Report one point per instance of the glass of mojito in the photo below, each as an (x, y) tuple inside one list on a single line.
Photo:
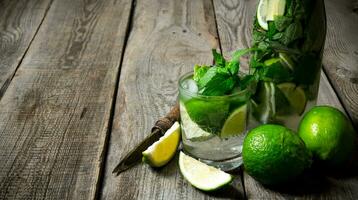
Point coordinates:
[(288, 40), (214, 106)]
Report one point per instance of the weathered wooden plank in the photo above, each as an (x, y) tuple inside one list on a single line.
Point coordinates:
[(341, 53), (167, 39), (19, 21), (234, 19), (54, 115)]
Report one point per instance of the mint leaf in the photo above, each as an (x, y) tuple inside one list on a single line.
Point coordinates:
[(199, 72), (218, 58), (293, 32), (271, 29), (218, 85), (246, 81), (237, 54), (282, 22), (210, 73), (216, 81), (277, 36), (258, 36)]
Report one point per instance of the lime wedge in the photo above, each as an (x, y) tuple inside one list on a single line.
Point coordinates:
[(191, 130), (235, 123), (295, 95), (201, 175), (262, 13), (163, 150)]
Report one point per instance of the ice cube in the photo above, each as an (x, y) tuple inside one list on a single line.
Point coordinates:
[(192, 86)]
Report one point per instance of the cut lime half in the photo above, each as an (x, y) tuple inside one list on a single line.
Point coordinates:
[(201, 175), (162, 151), (235, 124), (295, 95)]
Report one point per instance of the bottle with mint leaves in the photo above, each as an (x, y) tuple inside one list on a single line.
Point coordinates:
[(288, 38)]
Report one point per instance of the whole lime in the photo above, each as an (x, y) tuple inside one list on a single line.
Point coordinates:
[(328, 133), (274, 154)]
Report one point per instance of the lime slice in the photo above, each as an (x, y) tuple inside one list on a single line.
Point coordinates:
[(262, 13), (277, 70), (201, 175), (163, 150), (265, 107), (208, 114), (235, 123), (191, 130), (275, 8), (295, 95), (267, 10), (287, 61)]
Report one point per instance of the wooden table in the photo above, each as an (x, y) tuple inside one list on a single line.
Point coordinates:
[(82, 82)]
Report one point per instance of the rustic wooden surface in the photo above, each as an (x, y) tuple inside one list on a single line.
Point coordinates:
[(82, 82), (54, 116), (19, 24), (341, 53)]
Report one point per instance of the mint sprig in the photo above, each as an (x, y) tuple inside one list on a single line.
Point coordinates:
[(221, 78)]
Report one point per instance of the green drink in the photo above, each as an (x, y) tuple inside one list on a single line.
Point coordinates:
[(288, 38), (213, 127), (214, 107)]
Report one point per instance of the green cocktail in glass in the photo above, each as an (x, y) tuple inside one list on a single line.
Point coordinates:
[(213, 127), (288, 38), (214, 106)]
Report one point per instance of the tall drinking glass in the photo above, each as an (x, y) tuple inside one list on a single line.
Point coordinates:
[(213, 127)]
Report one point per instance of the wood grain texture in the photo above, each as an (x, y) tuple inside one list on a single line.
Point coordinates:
[(234, 20), (54, 115), (341, 53), (167, 39), (19, 21)]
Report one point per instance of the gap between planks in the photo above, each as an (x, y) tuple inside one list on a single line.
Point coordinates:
[(104, 153)]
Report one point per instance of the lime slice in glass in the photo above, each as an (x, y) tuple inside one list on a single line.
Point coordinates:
[(235, 124), (295, 95), (190, 129), (262, 13), (162, 151), (267, 10), (287, 61), (275, 8), (201, 175), (265, 105), (210, 114)]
